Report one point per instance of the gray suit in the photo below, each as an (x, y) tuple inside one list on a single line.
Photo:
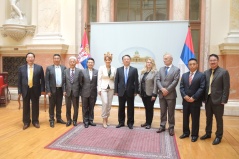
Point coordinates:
[(72, 92), (89, 94), (55, 100), (167, 103), (220, 87)]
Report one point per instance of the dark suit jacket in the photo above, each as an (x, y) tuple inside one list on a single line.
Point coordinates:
[(89, 87), (51, 78), (195, 90), (132, 82), (220, 85), (76, 86), (38, 80), (169, 81)]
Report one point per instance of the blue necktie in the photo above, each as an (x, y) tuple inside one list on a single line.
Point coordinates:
[(125, 75), (166, 70)]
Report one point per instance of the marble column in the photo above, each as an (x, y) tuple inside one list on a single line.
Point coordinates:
[(229, 54), (48, 22), (104, 10), (179, 9)]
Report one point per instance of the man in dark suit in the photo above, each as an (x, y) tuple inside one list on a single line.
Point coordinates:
[(126, 88), (71, 90), (89, 92), (216, 96), (31, 83), (54, 78), (192, 87), (167, 80)]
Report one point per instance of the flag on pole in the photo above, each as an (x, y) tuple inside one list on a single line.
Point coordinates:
[(84, 52), (187, 53)]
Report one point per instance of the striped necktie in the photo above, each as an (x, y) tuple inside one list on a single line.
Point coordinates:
[(72, 76)]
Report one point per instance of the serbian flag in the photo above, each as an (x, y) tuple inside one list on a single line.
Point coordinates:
[(187, 53), (84, 52)]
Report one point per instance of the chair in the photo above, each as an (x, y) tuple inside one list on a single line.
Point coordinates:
[(3, 92)]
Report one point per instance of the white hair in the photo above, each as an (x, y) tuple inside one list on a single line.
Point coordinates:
[(72, 57)]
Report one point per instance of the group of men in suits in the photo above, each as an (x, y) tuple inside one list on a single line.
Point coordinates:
[(212, 86), (72, 83)]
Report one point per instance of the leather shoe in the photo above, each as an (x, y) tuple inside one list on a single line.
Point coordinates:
[(68, 123), (120, 125), (74, 123), (25, 126), (148, 127), (184, 136), (36, 125), (143, 125), (206, 136), (92, 124), (130, 126), (86, 125), (161, 129), (52, 124), (216, 141), (194, 138), (61, 121), (171, 131)]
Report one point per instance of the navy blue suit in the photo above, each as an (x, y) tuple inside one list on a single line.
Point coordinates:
[(126, 93), (196, 91)]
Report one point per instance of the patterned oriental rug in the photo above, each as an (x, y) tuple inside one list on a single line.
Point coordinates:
[(122, 142)]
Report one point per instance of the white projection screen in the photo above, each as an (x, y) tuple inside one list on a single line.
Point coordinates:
[(139, 40)]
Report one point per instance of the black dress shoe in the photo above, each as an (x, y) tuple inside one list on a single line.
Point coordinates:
[(120, 125), (161, 129), (92, 124), (86, 125), (184, 136), (52, 124), (171, 131), (75, 123), (216, 141), (36, 125), (25, 126), (194, 138), (68, 123), (148, 127), (206, 136), (61, 121), (130, 126), (143, 125)]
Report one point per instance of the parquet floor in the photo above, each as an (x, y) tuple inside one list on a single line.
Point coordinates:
[(30, 143)]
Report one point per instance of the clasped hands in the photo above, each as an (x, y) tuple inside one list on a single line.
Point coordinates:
[(189, 99)]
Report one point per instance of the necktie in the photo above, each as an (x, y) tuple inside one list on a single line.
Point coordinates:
[(210, 82), (166, 71), (190, 78), (72, 76), (125, 75), (30, 84)]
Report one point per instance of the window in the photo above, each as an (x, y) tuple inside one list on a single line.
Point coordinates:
[(92, 11), (195, 23), (141, 10)]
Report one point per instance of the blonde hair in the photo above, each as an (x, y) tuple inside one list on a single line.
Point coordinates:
[(154, 69), (108, 55)]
